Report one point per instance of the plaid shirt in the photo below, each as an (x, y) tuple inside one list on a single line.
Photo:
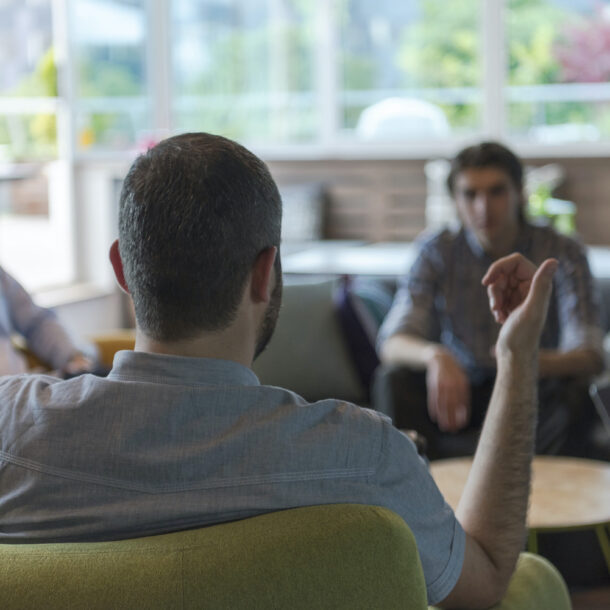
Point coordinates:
[(442, 299)]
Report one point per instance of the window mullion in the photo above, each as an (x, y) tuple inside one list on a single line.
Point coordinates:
[(494, 68), (326, 71), (66, 121), (158, 48), (61, 173)]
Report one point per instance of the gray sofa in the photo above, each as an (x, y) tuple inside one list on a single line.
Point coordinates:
[(308, 353)]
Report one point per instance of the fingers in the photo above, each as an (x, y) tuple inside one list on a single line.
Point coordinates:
[(541, 286), (78, 364), (508, 282), (448, 393), (514, 266), (495, 293), (520, 332), (542, 282), (432, 391), (449, 404)]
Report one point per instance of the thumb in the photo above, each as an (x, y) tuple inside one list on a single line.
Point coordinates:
[(542, 283)]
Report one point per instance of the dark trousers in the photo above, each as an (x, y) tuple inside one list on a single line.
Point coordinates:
[(564, 413)]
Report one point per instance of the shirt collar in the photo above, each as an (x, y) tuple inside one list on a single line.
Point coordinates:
[(163, 368), (473, 243), (522, 243)]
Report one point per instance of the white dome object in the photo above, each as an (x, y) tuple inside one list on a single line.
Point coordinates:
[(398, 118)]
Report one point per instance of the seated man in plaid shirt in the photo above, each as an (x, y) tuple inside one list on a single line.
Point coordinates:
[(437, 342)]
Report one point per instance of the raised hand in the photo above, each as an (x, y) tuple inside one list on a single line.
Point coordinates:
[(519, 295)]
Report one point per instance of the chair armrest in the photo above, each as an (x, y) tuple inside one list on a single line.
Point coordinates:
[(535, 585)]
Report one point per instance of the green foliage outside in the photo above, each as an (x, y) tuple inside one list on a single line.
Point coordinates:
[(101, 75), (442, 50), (244, 74), (32, 136), (246, 69), (29, 137), (533, 30)]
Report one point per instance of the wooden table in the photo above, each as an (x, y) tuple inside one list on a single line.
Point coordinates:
[(567, 494)]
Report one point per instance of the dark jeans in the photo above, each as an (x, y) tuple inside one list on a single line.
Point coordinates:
[(564, 415)]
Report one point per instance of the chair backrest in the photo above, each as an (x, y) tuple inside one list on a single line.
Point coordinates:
[(334, 556), (110, 342)]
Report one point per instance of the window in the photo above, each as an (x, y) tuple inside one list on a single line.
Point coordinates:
[(111, 101), (350, 75), (409, 70), (35, 241), (558, 88), (245, 69), (28, 81), (88, 80)]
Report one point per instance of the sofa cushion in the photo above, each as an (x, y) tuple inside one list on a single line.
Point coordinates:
[(308, 353), (362, 304)]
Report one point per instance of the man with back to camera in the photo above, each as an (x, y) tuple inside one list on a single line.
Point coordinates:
[(437, 342), (181, 434)]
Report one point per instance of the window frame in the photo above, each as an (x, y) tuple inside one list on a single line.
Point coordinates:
[(329, 142)]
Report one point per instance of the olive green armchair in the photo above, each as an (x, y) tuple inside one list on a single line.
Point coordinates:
[(335, 556)]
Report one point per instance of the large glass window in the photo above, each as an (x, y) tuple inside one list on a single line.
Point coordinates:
[(558, 85), (35, 240), (245, 69), (111, 97), (97, 79), (410, 70), (28, 81)]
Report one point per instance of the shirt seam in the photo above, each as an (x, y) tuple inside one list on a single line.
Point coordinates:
[(289, 477)]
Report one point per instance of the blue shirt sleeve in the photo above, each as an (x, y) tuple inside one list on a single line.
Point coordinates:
[(44, 335), (413, 311), (410, 491), (577, 301)]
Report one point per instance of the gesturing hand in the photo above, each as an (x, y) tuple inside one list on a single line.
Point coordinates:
[(519, 297)]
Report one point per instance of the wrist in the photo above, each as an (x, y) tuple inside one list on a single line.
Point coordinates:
[(437, 352), (525, 361)]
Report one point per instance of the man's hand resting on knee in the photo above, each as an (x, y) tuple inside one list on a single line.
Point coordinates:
[(448, 392)]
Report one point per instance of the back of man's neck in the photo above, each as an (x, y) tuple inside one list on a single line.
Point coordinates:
[(218, 345)]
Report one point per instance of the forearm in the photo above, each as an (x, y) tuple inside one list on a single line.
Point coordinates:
[(493, 506), (582, 362), (410, 351), (52, 343)]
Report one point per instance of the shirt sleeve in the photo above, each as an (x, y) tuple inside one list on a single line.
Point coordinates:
[(578, 302), (44, 335), (410, 491), (413, 310)]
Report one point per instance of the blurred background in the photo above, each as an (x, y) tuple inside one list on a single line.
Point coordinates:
[(348, 101)]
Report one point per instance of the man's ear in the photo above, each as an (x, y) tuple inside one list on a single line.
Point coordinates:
[(117, 265), (261, 285)]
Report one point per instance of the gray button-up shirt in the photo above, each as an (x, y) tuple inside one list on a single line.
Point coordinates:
[(168, 443), (442, 299)]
